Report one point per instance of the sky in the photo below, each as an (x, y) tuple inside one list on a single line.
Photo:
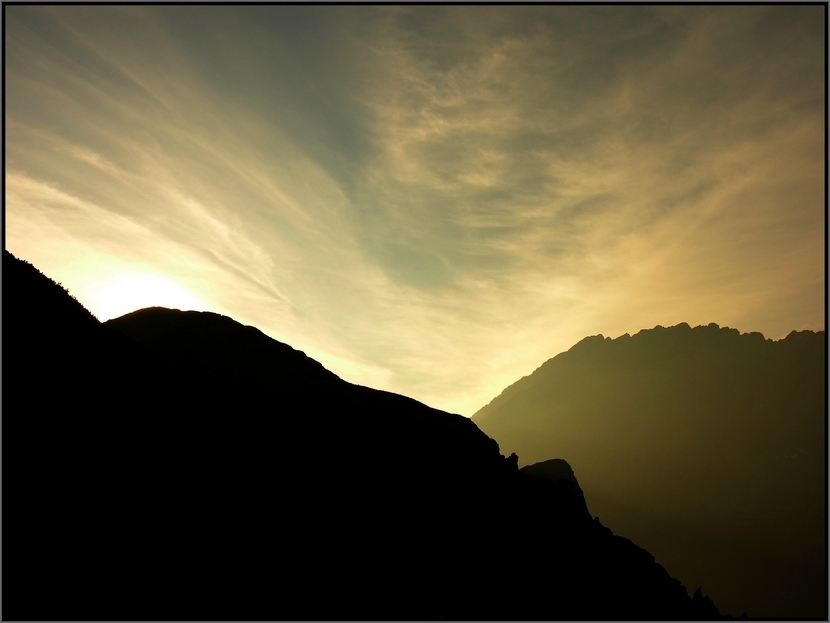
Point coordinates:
[(428, 200)]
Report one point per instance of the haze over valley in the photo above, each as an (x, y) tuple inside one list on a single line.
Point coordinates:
[(704, 445)]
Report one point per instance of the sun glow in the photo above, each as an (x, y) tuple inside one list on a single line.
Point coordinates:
[(126, 292)]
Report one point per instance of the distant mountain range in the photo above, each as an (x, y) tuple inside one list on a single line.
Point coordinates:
[(704, 445), (178, 465)]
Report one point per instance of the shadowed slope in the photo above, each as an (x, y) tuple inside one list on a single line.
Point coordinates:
[(177, 465), (704, 445)]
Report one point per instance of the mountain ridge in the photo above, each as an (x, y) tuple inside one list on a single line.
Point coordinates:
[(520, 384), (155, 468)]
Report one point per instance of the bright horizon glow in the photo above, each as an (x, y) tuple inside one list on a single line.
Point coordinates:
[(123, 293)]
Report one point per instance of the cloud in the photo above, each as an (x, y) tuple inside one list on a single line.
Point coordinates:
[(431, 200)]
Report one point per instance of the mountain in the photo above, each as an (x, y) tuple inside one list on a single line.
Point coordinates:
[(178, 465), (554, 470), (704, 445)]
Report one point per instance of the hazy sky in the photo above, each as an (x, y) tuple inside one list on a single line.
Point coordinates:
[(428, 200)]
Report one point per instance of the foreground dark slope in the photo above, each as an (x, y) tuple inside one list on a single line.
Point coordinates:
[(177, 465), (703, 445)]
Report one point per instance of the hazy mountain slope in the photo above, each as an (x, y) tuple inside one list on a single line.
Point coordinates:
[(177, 465), (703, 445)]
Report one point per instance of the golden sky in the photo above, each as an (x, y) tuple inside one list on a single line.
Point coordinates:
[(427, 200)]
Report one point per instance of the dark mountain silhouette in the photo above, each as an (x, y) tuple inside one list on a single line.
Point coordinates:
[(178, 465), (704, 445)]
